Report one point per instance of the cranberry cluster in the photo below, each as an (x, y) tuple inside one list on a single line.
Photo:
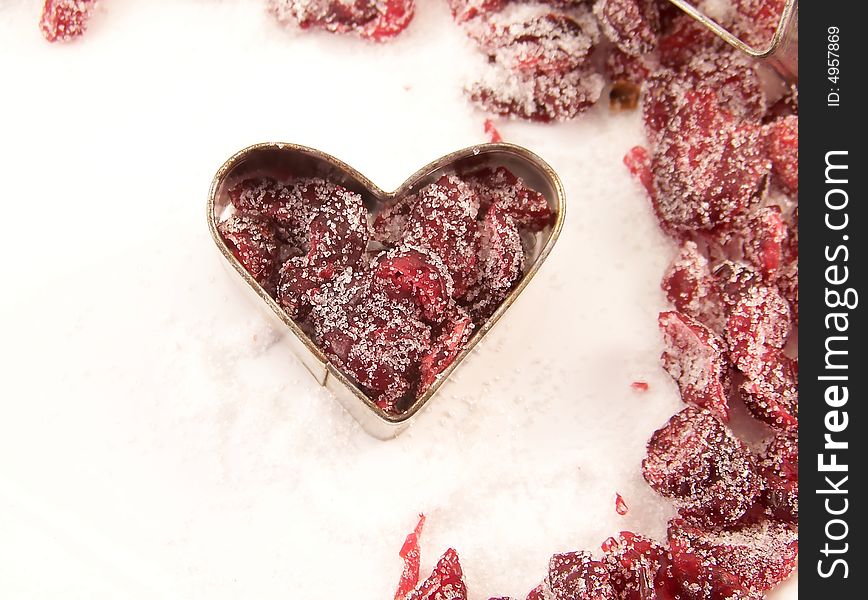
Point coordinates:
[(391, 300), (375, 20)]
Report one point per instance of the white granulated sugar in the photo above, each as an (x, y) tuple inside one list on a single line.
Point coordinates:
[(158, 439)]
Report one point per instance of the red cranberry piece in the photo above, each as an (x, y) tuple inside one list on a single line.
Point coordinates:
[(685, 37), (392, 221), (760, 321), (693, 578), (634, 562), (779, 468), (443, 219), (733, 78), (407, 273), (298, 280), (696, 359), (65, 20), (252, 241), (465, 10), (445, 583), (337, 237), (451, 339), (257, 195), (708, 169), (576, 576), (788, 284), (770, 392), (543, 98), (491, 131), (695, 460), (376, 20), (640, 386), (689, 285), (620, 506), (632, 25), (760, 556), (621, 66), (732, 281), (782, 145), (757, 20), (499, 186), (550, 43), (764, 238), (410, 554), (538, 593), (638, 161)]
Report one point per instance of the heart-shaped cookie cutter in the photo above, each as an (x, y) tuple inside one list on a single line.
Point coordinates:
[(282, 160)]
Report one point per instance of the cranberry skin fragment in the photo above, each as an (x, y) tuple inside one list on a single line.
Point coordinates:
[(410, 554), (446, 582), (695, 460), (491, 131), (759, 556), (779, 468), (692, 578), (782, 146), (406, 273), (65, 20), (696, 359), (252, 241), (575, 576), (638, 161), (765, 237)]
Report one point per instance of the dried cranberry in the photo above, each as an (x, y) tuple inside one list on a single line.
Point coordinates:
[(445, 583), (758, 556), (297, 281), (576, 576), (698, 462), (453, 335), (733, 78), (782, 145), (407, 273), (732, 281), (465, 10), (689, 285), (443, 219), (760, 321), (372, 19), (696, 359), (764, 238), (708, 169), (770, 391), (391, 222), (410, 554), (685, 37), (779, 468), (694, 578), (252, 241), (544, 97), (65, 20), (633, 562), (622, 67), (638, 161), (512, 196), (491, 131), (757, 20), (550, 43), (632, 25)]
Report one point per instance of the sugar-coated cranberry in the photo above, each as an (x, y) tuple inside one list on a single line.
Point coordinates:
[(779, 468), (693, 578), (576, 576), (252, 241), (446, 582), (622, 67), (448, 340), (633, 562), (708, 169), (376, 20), (512, 196), (782, 145), (417, 274), (632, 25), (696, 358), (759, 321), (757, 20), (695, 460), (298, 279), (765, 236), (770, 390), (65, 20), (759, 556), (465, 10), (683, 38), (689, 285)]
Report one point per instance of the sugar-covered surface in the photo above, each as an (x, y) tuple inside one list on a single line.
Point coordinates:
[(158, 440)]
